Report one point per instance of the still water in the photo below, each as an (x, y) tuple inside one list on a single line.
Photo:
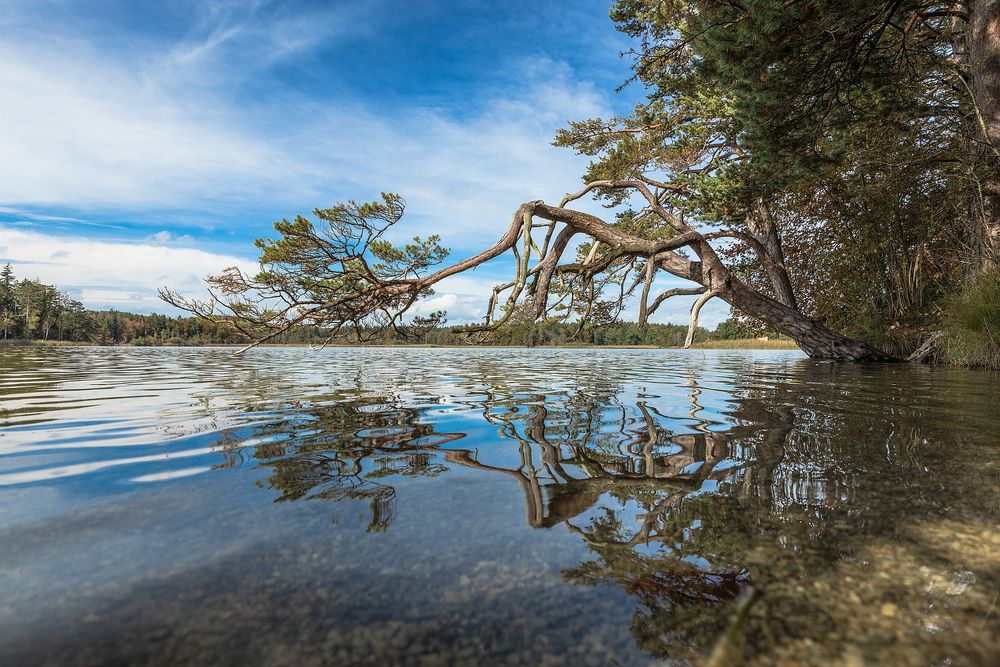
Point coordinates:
[(493, 506)]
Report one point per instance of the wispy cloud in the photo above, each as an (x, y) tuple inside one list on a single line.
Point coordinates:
[(89, 135), (232, 41), (92, 136), (163, 236), (21, 213)]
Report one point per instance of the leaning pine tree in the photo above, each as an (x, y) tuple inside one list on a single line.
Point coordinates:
[(692, 196), (339, 274)]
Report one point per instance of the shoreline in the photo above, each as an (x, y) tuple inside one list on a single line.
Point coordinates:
[(733, 344)]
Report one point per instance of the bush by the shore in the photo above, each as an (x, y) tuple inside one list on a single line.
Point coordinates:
[(972, 334)]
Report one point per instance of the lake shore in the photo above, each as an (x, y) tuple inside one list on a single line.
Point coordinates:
[(733, 344)]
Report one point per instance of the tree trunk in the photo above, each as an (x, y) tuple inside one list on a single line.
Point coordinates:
[(764, 230), (984, 61), (815, 340)]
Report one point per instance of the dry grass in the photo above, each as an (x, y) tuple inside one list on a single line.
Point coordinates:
[(746, 344)]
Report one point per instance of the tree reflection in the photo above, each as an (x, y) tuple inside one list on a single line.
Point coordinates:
[(611, 473), (681, 510), (642, 497), (345, 449)]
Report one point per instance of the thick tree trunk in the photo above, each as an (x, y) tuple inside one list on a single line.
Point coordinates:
[(984, 61), (815, 340)]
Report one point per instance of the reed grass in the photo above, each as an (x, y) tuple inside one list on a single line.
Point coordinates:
[(746, 344)]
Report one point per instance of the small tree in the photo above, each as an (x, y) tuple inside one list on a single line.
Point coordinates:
[(6, 322)]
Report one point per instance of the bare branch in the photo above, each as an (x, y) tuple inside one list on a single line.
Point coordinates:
[(676, 291), (695, 310)]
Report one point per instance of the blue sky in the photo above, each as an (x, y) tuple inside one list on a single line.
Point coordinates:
[(149, 143)]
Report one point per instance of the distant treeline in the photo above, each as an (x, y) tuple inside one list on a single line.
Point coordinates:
[(31, 310)]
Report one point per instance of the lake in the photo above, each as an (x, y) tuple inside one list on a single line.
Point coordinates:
[(493, 506)]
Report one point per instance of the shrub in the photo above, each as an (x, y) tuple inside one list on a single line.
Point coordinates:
[(972, 333)]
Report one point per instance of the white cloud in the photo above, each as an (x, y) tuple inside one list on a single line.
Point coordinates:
[(164, 236), (110, 273), (464, 179), (94, 132), (90, 134), (464, 297)]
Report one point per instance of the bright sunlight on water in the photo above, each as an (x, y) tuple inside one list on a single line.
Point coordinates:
[(493, 506)]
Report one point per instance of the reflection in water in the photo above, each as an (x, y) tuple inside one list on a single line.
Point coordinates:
[(347, 449), (858, 501)]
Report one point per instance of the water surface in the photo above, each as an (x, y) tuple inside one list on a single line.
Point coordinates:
[(493, 506)]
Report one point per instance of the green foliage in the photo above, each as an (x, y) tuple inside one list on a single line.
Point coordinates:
[(733, 328), (972, 337), (335, 273), (30, 309), (848, 120), (804, 78)]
